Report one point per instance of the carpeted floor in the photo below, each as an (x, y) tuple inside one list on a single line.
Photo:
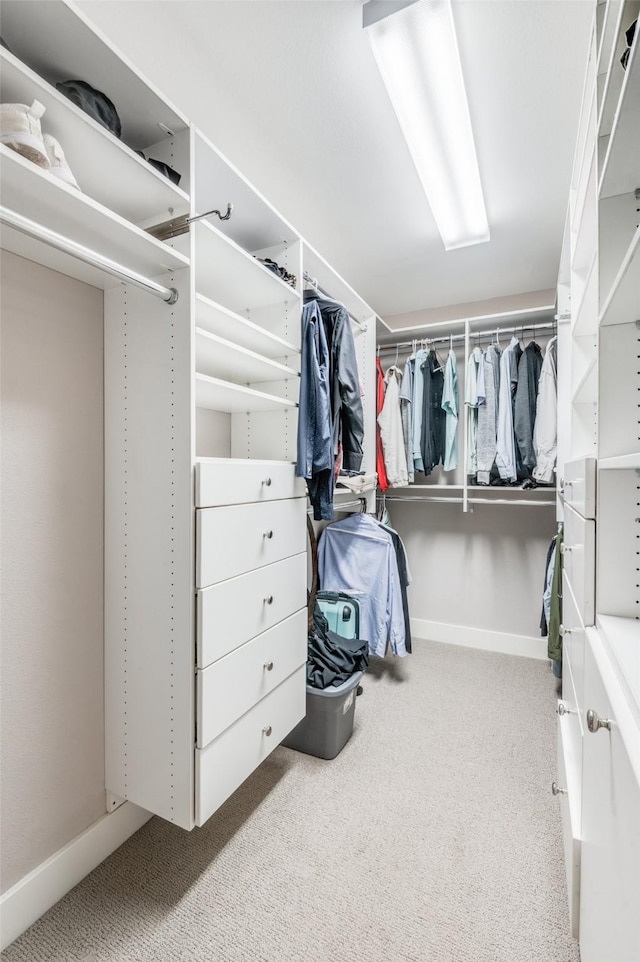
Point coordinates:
[(432, 837)]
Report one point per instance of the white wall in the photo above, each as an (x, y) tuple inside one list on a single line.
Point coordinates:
[(51, 563)]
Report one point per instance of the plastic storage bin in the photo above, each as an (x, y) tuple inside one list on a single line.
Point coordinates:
[(328, 724)]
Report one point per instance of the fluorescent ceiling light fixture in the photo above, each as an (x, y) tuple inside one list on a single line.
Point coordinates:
[(417, 54)]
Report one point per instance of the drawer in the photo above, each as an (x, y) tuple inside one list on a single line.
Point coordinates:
[(233, 611), (222, 481), (579, 562), (568, 782), (224, 764), (235, 683), (573, 639), (578, 486), (230, 541)]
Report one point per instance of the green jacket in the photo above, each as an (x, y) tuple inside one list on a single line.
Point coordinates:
[(554, 641)]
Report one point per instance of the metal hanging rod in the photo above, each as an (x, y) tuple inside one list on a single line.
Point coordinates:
[(306, 276), (458, 500), (50, 237), (473, 335)]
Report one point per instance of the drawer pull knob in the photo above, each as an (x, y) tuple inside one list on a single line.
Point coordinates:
[(267, 730), (565, 548), (268, 665), (556, 790), (267, 482), (268, 534), (595, 723), (565, 631), (268, 600), (563, 710)]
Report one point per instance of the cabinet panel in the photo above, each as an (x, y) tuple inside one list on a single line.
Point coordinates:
[(579, 562), (573, 640), (578, 486), (569, 780), (609, 919), (233, 611), (224, 764), (230, 541), (221, 481), (233, 685)]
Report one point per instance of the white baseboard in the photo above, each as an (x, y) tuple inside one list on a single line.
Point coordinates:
[(33, 895), (499, 641)]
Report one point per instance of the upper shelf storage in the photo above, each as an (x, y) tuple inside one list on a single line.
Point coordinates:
[(105, 167), (48, 201), (621, 168), (243, 332), (229, 275), (622, 303), (328, 279), (54, 39)]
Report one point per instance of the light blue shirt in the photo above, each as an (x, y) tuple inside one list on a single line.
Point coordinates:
[(357, 556), (450, 407)]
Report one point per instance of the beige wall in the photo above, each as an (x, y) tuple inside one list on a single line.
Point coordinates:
[(52, 756)]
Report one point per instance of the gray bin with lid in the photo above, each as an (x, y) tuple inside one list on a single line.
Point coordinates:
[(328, 724)]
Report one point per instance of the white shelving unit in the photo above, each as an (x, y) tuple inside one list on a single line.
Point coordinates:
[(603, 779), (202, 506)]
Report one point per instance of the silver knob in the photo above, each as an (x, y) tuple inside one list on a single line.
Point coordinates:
[(267, 482), (565, 631), (268, 665), (563, 710), (268, 534), (267, 730), (268, 600), (595, 723), (556, 790)]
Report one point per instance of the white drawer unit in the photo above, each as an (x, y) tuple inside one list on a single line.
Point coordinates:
[(567, 788), (578, 486), (573, 639), (232, 540), (224, 764), (234, 611), (579, 562), (609, 917), (233, 685), (221, 481)]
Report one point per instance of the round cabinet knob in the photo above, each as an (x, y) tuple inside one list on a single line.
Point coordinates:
[(556, 790), (268, 534), (268, 599), (267, 730), (595, 723), (563, 710), (267, 482), (564, 631), (268, 665)]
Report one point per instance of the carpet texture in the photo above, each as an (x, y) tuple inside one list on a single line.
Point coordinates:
[(432, 837)]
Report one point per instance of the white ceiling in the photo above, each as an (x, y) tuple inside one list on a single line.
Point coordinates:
[(289, 91)]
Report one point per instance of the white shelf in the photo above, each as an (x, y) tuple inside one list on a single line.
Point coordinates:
[(105, 168), (608, 35), (622, 637), (622, 303), (231, 276), (621, 168), (219, 358), (43, 198), (218, 320), (586, 390), (621, 462), (58, 42), (586, 314), (230, 398), (334, 284)]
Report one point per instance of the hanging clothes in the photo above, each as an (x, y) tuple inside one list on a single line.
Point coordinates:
[(471, 408), (344, 385), (554, 641), (505, 440), (529, 369), (417, 409), (450, 408), (546, 592), (433, 417), (545, 432), (488, 413), (357, 556), (406, 398), (390, 423), (315, 433), (383, 481), (405, 578)]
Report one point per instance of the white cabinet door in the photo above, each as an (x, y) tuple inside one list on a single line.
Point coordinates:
[(578, 486), (568, 788), (222, 481), (573, 641), (610, 874), (579, 562)]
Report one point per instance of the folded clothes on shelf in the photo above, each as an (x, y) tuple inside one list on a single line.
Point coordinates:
[(357, 482), (279, 271)]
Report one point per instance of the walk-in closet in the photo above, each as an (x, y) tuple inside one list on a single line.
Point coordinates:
[(320, 476)]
